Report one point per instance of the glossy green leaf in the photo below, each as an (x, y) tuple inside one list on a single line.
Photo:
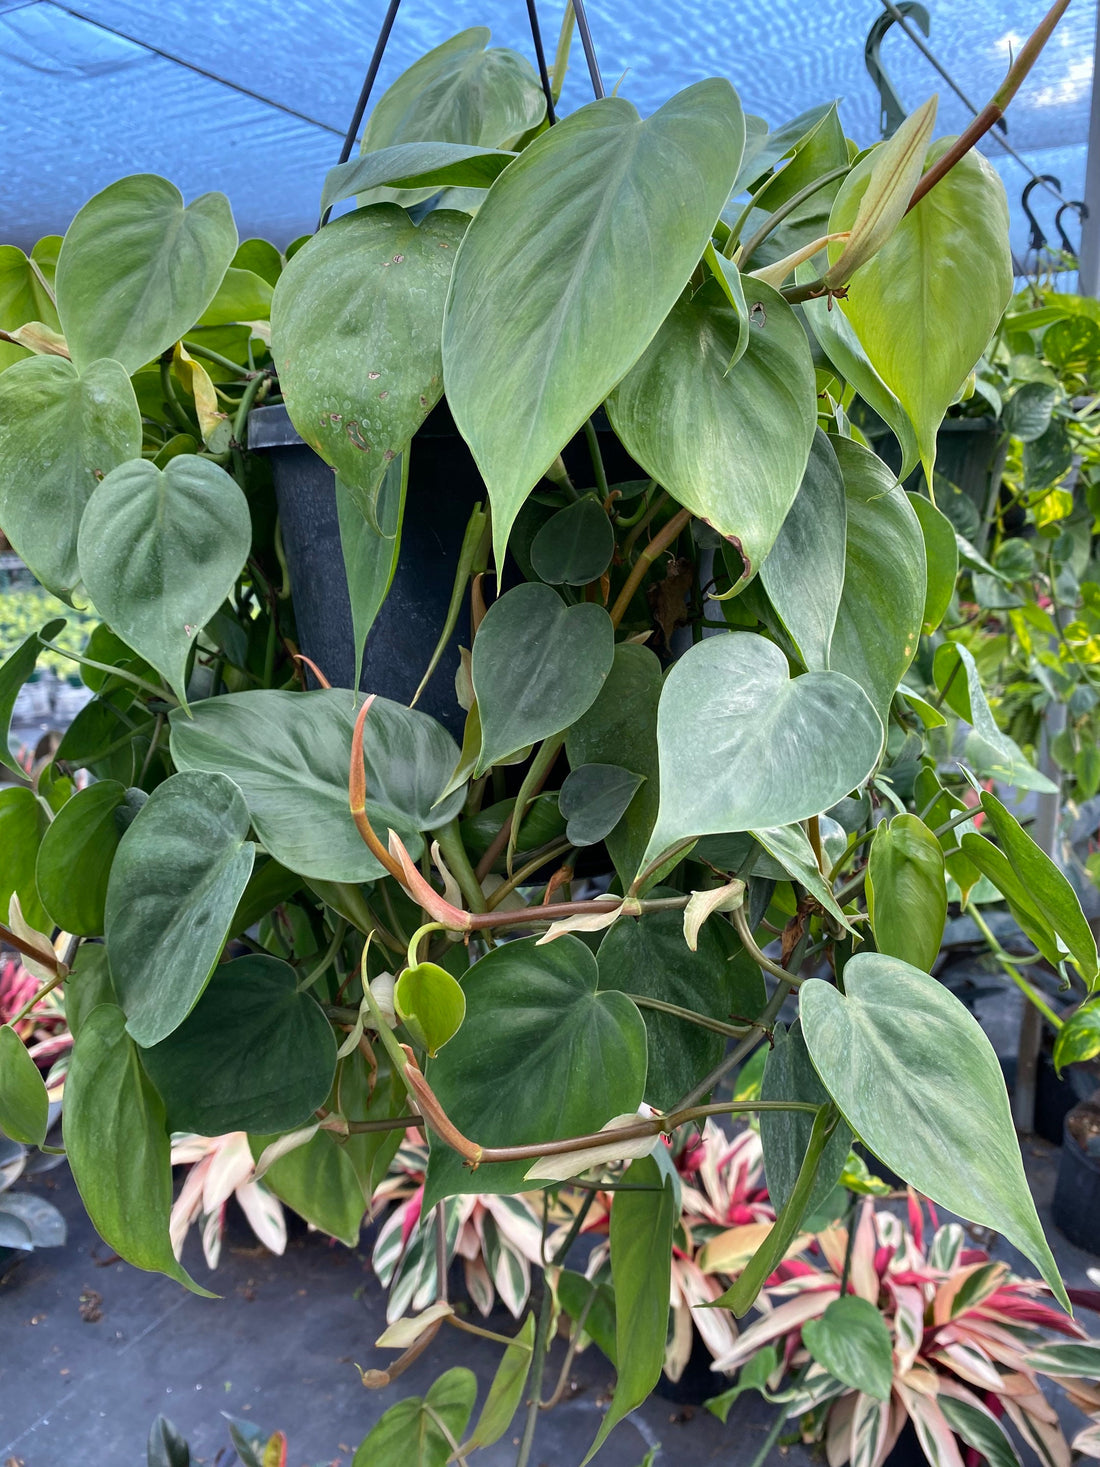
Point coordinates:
[(574, 1293), (537, 666), (505, 1390), (61, 431), (730, 446), (269, 884), (926, 305), (765, 148), (24, 1104), (409, 1434), (88, 985), (177, 877), (804, 571), (117, 1145), (927, 1098), (789, 1075), (594, 798), (430, 1004), (355, 326), (852, 1342), (289, 753), (743, 746), (790, 846), (1027, 413), (414, 165), (137, 269), (319, 1182), (941, 555), (74, 860), (993, 752), (542, 1055), (261, 257), (907, 891), (621, 727), (1079, 1037), (242, 296), (577, 255), (641, 1266), (369, 1095), (23, 823), (881, 610), (254, 1054), (575, 545), (160, 550), (14, 672), (370, 554)]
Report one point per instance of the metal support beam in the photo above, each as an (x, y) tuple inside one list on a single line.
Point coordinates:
[(1089, 265)]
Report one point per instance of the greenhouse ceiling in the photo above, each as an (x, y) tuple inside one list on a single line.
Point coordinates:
[(255, 100)]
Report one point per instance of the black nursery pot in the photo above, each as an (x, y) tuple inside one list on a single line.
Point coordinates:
[(1076, 1205)]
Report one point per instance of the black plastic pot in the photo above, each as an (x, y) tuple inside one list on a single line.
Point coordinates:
[(1076, 1206)]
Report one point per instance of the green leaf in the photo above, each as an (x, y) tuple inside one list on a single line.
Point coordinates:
[(24, 1104), (641, 1270), (980, 1429), (852, 1342), (409, 1434), (575, 545), (160, 550), (744, 746), (574, 1292), (23, 297), (61, 431), (926, 305), (88, 985), (881, 610), (731, 447), (568, 269), (367, 1095), (14, 672), (430, 1004), (907, 891), (261, 257), (137, 269), (541, 1056), (319, 1182), (537, 666), (355, 326), (621, 727), (118, 1147), (785, 1135), (177, 877), (1028, 411), (289, 753), (790, 846), (242, 296), (414, 165), (593, 799), (74, 859), (254, 1054), (941, 555), (927, 1098), (804, 572), (166, 1447), (956, 676), (1079, 1037), (23, 823), (505, 1390), (369, 554), (1079, 1359)]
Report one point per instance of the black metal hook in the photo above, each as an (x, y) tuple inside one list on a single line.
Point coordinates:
[(1082, 214), (1037, 239), (892, 114)]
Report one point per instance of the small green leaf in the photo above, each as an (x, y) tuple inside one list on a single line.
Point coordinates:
[(907, 891), (957, 678), (414, 165), (14, 672), (409, 1434), (23, 823), (74, 859), (369, 554), (593, 799), (430, 1004), (785, 1135), (319, 1182), (852, 1342), (23, 297), (24, 1104), (575, 545), (1079, 1037), (177, 877), (505, 1390), (941, 554)]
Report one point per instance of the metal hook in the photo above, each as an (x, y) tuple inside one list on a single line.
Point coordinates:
[(1082, 214), (892, 113), (1037, 239)]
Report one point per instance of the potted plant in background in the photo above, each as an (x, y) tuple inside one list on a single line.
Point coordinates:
[(265, 911)]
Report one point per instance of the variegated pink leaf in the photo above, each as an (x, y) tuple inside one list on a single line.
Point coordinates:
[(870, 1421), (938, 1441)]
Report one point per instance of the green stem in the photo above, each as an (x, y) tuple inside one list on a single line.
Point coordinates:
[(1018, 978), (596, 456), (128, 677), (195, 350), (537, 861), (743, 1050), (329, 957), (733, 1031), (453, 851), (774, 220), (661, 541), (167, 386), (748, 942), (417, 937), (248, 397)]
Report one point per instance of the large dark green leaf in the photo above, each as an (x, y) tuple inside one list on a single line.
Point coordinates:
[(160, 550), (289, 754), (117, 1145), (918, 1081), (577, 255), (14, 672), (907, 891), (409, 1434), (24, 1104), (355, 326), (542, 1055), (61, 431), (137, 269), (319, 1182), (74, 860), (852, 1341), (427, 165), (785, 1135), (744, 746), (23, 823), (370, 554), (88, 985), (537, 666), (804, 572), (881, 611), (177, 877), (731, 447), (254, 1054)]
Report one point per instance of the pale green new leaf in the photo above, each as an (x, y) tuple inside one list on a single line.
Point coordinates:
[(907, 891), (505, 1391)]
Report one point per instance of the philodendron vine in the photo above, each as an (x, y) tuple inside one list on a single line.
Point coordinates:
[(714, 686)]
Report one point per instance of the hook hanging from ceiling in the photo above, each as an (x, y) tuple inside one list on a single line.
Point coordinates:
[(893, 113)]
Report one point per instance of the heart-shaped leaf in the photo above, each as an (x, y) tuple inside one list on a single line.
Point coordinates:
[(542, 1055), (254, 1054), (160, 550), (430, 165), (422, 1432), (575, 545), (594, 799), (61, 431), (23, 296), (743, 746), (578, 253), (537, 666), (355, 325), (730, 445), (907, 891), (927, 1098), (177, 877), (319, 1182), (24, 1104), (852, 1341), (431, 1005), (137, 269), (74, 860), (289, 753), (789, 1075)]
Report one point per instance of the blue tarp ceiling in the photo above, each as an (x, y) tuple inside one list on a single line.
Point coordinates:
[(254, 100)]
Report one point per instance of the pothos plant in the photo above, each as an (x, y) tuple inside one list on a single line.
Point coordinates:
[(314, 918)]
